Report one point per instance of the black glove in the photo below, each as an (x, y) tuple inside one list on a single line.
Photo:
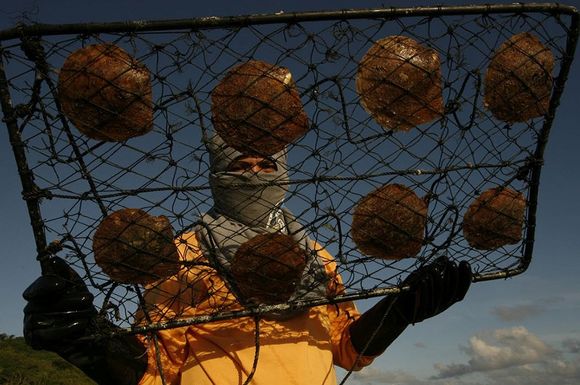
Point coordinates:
[(60, 317), (432, 289)]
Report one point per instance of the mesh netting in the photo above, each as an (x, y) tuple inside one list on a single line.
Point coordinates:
[(72, 182)]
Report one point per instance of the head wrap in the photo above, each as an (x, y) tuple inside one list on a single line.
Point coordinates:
[(250, 198), (247, 204)]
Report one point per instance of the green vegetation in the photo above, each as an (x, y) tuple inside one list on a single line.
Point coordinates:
[(21, 365)]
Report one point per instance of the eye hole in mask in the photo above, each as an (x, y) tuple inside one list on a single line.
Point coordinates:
[(253, 164)]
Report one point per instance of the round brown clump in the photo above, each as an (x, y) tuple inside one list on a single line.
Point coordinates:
[(134, 247), (399, 83), (257, 109), (267, 268), (495, 219), (518, 82), (389, 222), (106, 93)]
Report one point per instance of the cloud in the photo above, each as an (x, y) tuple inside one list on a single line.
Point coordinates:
[(549, 372), (372, 375), (504, 348), (518, 312), (510, 356), (572, 345), (513, 356)]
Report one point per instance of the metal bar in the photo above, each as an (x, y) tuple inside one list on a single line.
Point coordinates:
[(259, 310), (26, 175), (281, 17), (263, 310), (90, 195)]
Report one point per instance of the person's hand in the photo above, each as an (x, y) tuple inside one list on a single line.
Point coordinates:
[(426, 292), (59, 310), (60, 317), (432, 289)]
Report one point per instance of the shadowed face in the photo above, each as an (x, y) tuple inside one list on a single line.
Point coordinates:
[(252, 163)]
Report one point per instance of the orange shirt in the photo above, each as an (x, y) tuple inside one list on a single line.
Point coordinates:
[(301, 350)]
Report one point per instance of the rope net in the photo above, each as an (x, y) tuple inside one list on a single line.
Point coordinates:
[(407, 137)]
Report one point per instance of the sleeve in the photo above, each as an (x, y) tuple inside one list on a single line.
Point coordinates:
[(341, 316), (167, 351), (173, 298)]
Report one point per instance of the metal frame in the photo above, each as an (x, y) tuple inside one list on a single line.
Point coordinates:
[(36, 30), (282, 17)]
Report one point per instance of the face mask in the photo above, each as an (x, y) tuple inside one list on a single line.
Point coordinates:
[(250, 198)]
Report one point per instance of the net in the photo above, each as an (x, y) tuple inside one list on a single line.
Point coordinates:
[(412, 134)]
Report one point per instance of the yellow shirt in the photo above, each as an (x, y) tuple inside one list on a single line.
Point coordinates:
[(301, 350)]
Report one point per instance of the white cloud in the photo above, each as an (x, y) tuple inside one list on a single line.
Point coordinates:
[(511, 356), (504, 348), (514, 356)]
